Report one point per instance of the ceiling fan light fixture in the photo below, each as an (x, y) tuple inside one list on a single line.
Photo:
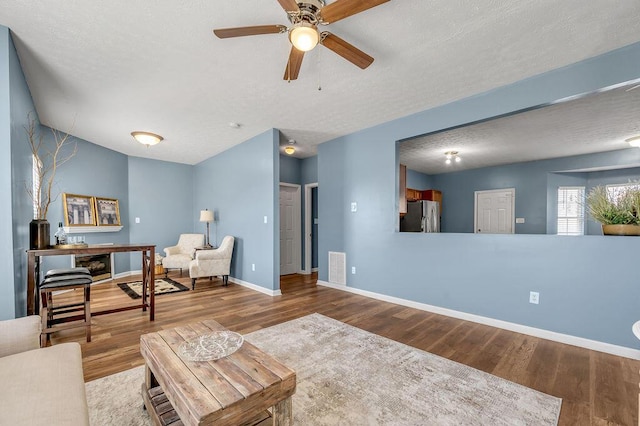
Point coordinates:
[(634, 141), (147, 138), (304, 36)]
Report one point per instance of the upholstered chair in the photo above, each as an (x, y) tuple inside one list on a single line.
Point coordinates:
[(211, 263), (179, 256)]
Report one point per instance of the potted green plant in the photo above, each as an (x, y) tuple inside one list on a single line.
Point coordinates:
[(619, 214)]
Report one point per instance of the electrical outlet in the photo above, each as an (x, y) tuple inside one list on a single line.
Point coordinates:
[(354, 207), (137, 220), (253, 266), (534, 297), (265, 219), (353, 270)]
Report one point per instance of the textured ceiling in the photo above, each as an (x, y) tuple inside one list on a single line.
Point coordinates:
[(595, 123), (101, 69)]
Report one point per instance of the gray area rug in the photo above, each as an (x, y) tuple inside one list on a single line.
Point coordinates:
[(347, 376)]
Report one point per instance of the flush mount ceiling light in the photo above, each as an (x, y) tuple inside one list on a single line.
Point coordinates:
[(452, 155), (634, 141), (304, 36), (290, 149), (147, 138)]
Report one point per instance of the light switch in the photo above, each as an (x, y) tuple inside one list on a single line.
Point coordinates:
[(519, 219), (354, 207), (265, 219), (137, 220)]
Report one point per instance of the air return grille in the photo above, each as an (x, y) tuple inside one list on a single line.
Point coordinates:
[(337, 268)]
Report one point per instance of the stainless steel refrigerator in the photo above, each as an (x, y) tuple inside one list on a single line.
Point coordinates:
[(421, 216)]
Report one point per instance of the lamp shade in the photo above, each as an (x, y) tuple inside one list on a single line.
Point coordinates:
[(206, 215), (304, 36)]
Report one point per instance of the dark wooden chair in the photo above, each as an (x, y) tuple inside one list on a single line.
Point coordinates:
[(57, 317)]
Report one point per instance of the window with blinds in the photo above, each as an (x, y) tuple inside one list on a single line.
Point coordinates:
[(616, 191), (571, 210)]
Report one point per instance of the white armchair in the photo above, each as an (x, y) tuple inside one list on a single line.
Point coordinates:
[(210, 263), (179, 256)]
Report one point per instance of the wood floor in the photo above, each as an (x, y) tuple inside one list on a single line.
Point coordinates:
[(596, 388)]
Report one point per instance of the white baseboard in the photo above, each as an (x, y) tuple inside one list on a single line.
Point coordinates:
[(314, 269), (255, 287), (518, 328)]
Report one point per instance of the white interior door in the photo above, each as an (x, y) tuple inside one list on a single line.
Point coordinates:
[(494, 211), (289, 229)]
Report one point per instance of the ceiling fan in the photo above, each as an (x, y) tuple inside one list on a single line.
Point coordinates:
[(305, 16)]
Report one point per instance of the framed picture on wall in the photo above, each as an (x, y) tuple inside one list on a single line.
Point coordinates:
[(107, 212), (78, 210)]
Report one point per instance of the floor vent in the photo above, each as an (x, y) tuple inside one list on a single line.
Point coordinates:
[(337, 268)]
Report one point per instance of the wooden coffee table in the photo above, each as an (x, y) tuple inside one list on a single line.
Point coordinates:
[(234, 390)]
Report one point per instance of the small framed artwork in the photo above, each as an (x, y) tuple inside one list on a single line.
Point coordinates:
[(78, 210), (107, 212)]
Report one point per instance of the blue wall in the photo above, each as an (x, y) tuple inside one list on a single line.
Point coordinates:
[(290, 169), (161, 195), (19, 173), (7, 299), (241, 186), (420, 181), (499, 270), (93, 171)]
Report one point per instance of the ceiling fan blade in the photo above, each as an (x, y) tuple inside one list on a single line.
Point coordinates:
[(346, 50), (294, 64), (249, 31), (289, 5), (344, 8)]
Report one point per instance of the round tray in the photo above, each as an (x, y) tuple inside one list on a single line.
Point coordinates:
[(210, 346)]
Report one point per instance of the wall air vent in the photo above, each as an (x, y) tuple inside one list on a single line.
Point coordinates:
[(337, 268)]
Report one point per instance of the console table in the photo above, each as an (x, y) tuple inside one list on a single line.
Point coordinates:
[(148, 273)]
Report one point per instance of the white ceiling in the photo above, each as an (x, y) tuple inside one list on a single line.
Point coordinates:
[(101, 69), (595, 123)]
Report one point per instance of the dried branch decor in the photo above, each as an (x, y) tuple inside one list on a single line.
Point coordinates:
[(46, 163)]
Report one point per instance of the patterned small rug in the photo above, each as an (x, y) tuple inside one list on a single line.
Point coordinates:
[(163, 286), (348, 376)]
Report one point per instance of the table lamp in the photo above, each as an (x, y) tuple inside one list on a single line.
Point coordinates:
[(206, 216)]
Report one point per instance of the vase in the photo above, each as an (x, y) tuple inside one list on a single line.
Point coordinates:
[(621, 229), (39, 234)]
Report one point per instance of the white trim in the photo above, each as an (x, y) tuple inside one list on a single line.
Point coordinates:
[(518, 328), (296, 225), (308, 223), (90, 229), (314, 269), (255, 287)]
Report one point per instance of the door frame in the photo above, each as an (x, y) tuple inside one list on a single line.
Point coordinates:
[(297, 250), (513, 207), (308, 223)]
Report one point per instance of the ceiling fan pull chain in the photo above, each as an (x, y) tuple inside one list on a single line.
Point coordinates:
[(319, 70)]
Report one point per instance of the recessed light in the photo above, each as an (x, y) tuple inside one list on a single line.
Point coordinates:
[(234, 125)]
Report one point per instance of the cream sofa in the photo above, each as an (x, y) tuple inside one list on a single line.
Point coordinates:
[(39, 386)]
